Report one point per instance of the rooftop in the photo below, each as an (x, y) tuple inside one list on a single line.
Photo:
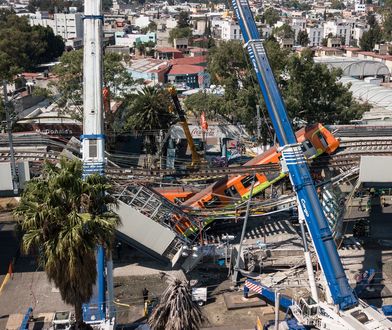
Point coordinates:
[(168, 50), (378, 96), (189, 60), (147, 65), (185, 69)]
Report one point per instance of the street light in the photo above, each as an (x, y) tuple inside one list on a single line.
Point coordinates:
[(15, 183)]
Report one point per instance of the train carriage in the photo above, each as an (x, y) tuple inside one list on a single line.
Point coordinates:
[(315, 140)]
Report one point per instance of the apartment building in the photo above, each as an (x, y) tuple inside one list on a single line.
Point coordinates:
[(226, 29), (68, 26), (339, 29), (315, 35)]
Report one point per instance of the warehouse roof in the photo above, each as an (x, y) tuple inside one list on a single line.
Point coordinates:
[(353, 66), (377, 96)]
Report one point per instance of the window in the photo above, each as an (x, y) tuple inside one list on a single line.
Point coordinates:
[(215, 201), (230, 192), (322, 140), (306, 145), (246, 182), (92, 148)]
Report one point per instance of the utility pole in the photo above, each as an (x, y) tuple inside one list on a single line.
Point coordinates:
[(15, 183), (237, 264), (258, 119)]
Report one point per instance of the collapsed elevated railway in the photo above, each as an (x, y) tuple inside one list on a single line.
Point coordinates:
[(340, 157)]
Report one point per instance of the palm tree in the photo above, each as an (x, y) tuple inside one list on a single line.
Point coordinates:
[(176, 310), (64, 218), (149, 111)]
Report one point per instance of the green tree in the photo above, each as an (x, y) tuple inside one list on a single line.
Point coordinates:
[(22, 46), (303, 38), (152, 27), (107, 4), (295, 4), (63, 218), (387, 26), (278, 58), (305, 86), (115, 76), (284, 31), (70, 80), (270, 16), (175, 309), (149, 111), (230, 67), (183, 20), (337, 4), (227, 62), (211, 104), (371, 20), (313, 86), (370, 38), (177, 33), (52, 5)]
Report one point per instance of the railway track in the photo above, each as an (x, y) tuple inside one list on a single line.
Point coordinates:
[(361, 131), (348, 155), (374, 143)]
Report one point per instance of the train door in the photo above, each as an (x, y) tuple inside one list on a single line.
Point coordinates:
[(322, 140), (308, 149)]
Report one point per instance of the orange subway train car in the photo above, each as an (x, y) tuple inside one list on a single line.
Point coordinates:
[(315, 140)]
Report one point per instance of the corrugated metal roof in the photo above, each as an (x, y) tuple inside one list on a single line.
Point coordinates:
[(378, 96)]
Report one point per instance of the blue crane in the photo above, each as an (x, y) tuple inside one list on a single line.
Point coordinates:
[(352, 312), (299, 173)]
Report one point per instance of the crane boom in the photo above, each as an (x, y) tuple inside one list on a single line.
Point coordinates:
[(181, 115), (337, 282)]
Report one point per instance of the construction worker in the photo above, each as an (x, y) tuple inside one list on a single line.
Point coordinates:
[(145, 294)]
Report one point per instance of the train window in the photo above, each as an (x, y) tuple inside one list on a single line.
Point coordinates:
[(215, 201), (308, 149), (322, 139), (246, 182), (231, 191), (307, 144)]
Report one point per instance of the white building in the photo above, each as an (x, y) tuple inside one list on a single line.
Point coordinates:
[(128, 40), (226, 29), (315, 35), (171, 23), (266, 31), (142, 21), (68, 26), (357, 33), (338, 29)]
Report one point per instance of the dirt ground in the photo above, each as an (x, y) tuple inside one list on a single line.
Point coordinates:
[(128, 292)]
